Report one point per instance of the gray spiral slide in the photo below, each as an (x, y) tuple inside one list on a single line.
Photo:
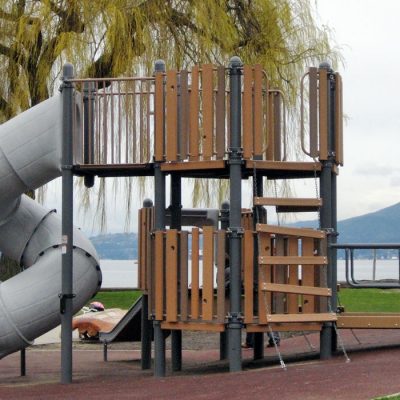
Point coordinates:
[(30, 156)]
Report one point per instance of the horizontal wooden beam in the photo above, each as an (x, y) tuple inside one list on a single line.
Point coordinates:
[(293, 260), (368, 321), (284, 165), (313, 317), (293, 327), (193, 326), (283, 288), (285, 231), (283, 201), (193, 165)]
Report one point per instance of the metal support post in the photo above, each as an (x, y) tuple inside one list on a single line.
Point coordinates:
[(23, 362), (66, 294), (176, 218), (235, 216), (146, 324), (88, 129), (159, 224), (223, 337)]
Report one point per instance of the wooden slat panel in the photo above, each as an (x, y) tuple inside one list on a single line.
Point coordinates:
[(208, 273), (313, 111), (270, 126), (171, 256), (184, 282), (258, 116), (281, 318), (158, 118), (277, 126), (194, 116), (221, 260), (159, 275), (280, 201), (297, 232), (308, 290), (172, 113), (308, 275), (247, 111), (339, 120), (248, 265), (183, 115), (220, 114), (323, 114), (293, 299), (279, 274), (195, 274), (208, 110), (299, 260), (264, 299)]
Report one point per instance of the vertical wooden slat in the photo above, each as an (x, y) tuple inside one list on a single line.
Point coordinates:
[(247, 111), (184, 275), (208, 110), (308, 275), (195, 274), (208, 273), (221, 259), (292, 299), (313, 111), (264, 276), (147, 136), (248, 276), (159, 117), (171, 295), (159, 275), (220, 114), (140, 247), (141, 123), (194, 116), (258, 111), (149, 257), (339, 120), (279, 277), (184, 115), (270, 126), (134, 123), (172, 110), (323, 114), (277, 126)]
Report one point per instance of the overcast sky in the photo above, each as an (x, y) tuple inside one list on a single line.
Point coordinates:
[(367, 33)]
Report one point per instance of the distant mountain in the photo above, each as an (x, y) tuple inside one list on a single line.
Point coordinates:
[(116, 246), (382, 226)]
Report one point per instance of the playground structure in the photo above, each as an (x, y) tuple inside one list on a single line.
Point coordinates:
[(224, 123), (236, 271)]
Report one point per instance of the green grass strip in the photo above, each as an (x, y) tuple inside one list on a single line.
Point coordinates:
[(118, 299)]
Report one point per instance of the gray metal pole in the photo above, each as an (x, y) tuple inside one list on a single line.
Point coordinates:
[(235, 216), (327, 211), (223, 337), (66, 295), (147, 328), (23, 362), (176, 218), (88, 129), (159, 224)]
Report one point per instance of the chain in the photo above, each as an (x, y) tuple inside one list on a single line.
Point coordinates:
[(257, 218)]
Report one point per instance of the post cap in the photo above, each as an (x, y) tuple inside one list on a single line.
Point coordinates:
[(159, 66), (68, 71), (225, 205), (235, 62), (325, 65), (147, 203)]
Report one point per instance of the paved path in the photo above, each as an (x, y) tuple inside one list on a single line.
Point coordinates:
[(374, 371)]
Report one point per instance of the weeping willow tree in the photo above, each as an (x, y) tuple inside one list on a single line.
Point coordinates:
[(124, 37)]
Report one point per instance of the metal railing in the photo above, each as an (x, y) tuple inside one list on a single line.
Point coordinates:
[(349, 249)]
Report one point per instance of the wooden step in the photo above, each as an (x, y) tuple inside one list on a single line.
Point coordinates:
[(308, 290), (285, 231), (313, 317), (292, 260), (283, 204)]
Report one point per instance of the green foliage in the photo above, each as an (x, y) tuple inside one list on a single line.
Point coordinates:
[(122, 299), (370, 300)]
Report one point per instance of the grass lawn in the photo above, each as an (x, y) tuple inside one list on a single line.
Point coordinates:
[(123, 299), (370, 300)]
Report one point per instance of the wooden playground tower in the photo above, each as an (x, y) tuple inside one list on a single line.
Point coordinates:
[(223, 123)]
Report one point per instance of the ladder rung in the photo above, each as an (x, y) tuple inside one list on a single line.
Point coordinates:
[(289, 204), (308, 290), (317, 317), (298, 232), (292, 260)]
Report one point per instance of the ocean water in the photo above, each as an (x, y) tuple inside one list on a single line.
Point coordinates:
[(124, 273)]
